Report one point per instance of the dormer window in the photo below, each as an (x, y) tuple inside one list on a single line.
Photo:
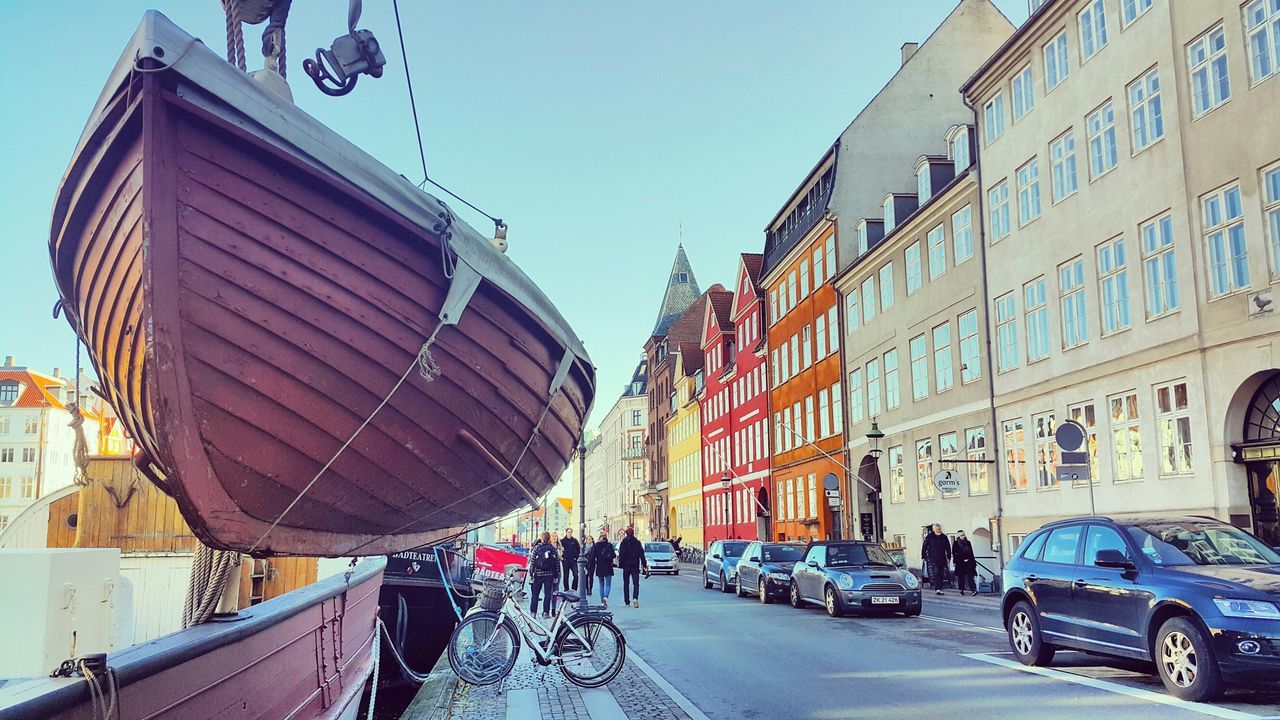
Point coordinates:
[(681, 277), (924, 188), (958, 148), (863, 243), (888, 215), (8, 392)]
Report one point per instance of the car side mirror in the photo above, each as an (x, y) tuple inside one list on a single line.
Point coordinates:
[(813, 563), (754, 558), (1110, 558), (900, 563), (715, 557)]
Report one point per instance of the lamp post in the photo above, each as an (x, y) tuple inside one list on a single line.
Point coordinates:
[(874, 436), (582, 519), (725, 482)]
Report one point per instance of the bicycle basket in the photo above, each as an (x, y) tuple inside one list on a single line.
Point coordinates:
[(493, 594)]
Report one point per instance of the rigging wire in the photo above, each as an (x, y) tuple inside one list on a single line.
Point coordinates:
[(417, 125)]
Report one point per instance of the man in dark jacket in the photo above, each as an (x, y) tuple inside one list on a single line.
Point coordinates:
[(544, 568), (569, 551), (935, 555), (966, 563), (601, 560), (631, 558)]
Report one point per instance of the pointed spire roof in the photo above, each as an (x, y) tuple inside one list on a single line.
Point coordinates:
[(682, 291)]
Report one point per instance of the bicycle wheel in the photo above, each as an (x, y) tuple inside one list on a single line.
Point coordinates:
[(483, 650), (599, 659)]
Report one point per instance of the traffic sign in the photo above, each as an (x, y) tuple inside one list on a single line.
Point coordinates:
[(1072, 473), (833, 502), (830, 481), (1069, 435), (832, 493), (1075, 457), (947, 481)]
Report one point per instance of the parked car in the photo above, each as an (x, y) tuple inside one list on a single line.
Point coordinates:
[(851, 576), (765, 569), (720, 567), (1196, 596), (661, 557)]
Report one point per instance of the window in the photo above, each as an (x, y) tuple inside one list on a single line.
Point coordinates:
[(1006, 333), (944, 377), (1173, 421), (1131, 10), (4, 425), (947, 452), (970, 367), (887, 206), (868, 299), (851, 313), (937, 252), (1023, 94), (1062, 153), (897, 478), (28, 455), (30, 425), (1223, 220), (804, 278), (806, 347), (28, 488), (6, 455), (1271, 214), (1085, 415), (914, 277), (793, 364), (1062, 545), (819, 272), (791, 499), (886, 287), (829, 252), (960, 150), (975, 444), (998, 199), (855, 395), (773, 305), (1046, 450), (1126, 437), (8, 392), (924, 185), (637, 418), (924, 468), (1207, 66), (1101, 127), (820, 333), (798, 429), (1145, 110), (1100, 537), (791, 289), (1093, 30), (833, 334), (777, 368), (6, 487), (892, 393), (919, 368), (1056, 64), (809, 429), (962, 232), (1037, 319), (1159, 266), (993, 119), (863, 241), (837, 409), (1262, 25), (1075, 325), (1015, 456), (873, 387), (1113, 284), (1029, 192), (4, 521)]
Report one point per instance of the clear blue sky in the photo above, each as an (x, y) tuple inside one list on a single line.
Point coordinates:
[(593, 128)]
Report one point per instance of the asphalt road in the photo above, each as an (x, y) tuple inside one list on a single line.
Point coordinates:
[(736, 658)]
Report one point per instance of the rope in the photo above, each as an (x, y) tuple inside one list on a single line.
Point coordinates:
[(424, 369), (105, 703), (413, 674), (235, 34), (448, 583), (273, 37), (81, 447), (210, 571), (377, 661)]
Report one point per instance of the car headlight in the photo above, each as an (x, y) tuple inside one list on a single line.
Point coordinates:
[(910, 580), (780, 577), (845, 582), (1247, 608)]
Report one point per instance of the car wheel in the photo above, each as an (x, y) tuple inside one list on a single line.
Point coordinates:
[(706, 580), (724, 584), (1025, 640), (1186, 662), (912, 613), (675, 572), (835, 606), (737, 588), (797, 602), (763, 589)]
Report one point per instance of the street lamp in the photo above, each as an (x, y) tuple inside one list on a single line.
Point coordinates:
[(725, 482), (874, 436)]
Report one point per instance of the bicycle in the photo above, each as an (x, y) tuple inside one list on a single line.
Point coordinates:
[(587, 647)]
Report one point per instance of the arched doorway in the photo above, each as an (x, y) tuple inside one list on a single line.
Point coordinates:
[(1259, 452), (867, 500)]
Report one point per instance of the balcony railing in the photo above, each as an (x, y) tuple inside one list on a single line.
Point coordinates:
[(633, 453)]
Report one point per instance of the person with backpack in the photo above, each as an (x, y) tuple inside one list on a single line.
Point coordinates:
[(569, 551), (601, 558), (544, 564), (631, 559)]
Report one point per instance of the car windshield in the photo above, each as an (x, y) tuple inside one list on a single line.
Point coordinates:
[(1189, 543), (659, 547), (853, 554), (734, 549), (781, 553)]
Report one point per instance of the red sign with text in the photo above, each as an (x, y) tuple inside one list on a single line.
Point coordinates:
[(492, 561)]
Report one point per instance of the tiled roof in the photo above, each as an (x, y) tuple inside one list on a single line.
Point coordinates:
[(32, 383), (754, 263), (721, 307), (691, 357), (681, 292)]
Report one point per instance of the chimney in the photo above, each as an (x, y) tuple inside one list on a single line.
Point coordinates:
[(57, 372), (909, 49), (8, 361)]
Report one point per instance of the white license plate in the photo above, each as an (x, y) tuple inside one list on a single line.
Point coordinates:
[(883, 600)]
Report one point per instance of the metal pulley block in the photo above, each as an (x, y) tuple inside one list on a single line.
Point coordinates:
[(336, 70)]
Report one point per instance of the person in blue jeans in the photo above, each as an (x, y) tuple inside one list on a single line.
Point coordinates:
[(602, 557), (544, 567)]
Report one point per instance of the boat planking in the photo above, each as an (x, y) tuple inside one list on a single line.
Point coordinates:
[(251, 288)]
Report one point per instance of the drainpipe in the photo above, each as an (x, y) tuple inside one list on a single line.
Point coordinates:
[(993, 443), (40, 443)]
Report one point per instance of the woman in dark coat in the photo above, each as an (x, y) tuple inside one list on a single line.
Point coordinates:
[(601, 559), (966, 563)]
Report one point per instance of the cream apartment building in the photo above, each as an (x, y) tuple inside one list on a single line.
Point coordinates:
[(1130, 189), (916, 360)]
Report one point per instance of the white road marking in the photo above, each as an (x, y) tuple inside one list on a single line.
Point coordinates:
[(602, 705), (685, 704), (962, 623), (1139, 693), (523, 704)]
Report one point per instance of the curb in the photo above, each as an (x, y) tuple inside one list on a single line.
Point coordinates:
[(435, 695)]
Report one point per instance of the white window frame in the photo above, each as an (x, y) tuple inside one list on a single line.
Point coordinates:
[(1131, 10), (993, 119), (924, 469), (962, 234), (1029, 207), (868, 299), (887, 208), (856, 408), (1159, 266), (1146, 115), (1072, 303), (1057, 61), (892, 390), (1062, 156), (915, 278), (919, 347), (1046, 449), (1015, 455), (998, 201), (1113, 286), (937, 239), (1036, 316), (975, 451), (1086, 414), (970, 353), (1173, 429), (1228, 266), (897, 476), (824, 413), (820, 336), (1023, 91), (1007, 354), (924, 184), (852, 311), (1100, 134), (943, 365), (1126, 437), (874, 402), (1092, 25), (886, 286), (959, 150), (1262, 39), (1208, 71), (1270, 183)]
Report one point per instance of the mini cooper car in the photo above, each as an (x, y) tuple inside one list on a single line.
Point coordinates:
[(850, 576)]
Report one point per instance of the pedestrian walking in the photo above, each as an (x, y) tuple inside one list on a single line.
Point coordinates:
[(544, 564), (601, 558), (631, 559), (935, 555), (966, 563), (569, 553)]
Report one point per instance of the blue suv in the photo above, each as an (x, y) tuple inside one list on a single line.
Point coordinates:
[(1197, 597)]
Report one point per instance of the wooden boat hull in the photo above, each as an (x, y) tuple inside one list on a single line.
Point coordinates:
[(248, 309)]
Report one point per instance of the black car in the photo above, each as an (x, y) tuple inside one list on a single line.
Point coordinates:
[(1196, 596), (720, 567), (765, 569), (849, 576)]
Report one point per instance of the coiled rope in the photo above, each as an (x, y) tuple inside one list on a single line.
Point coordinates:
[(211, 570)]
